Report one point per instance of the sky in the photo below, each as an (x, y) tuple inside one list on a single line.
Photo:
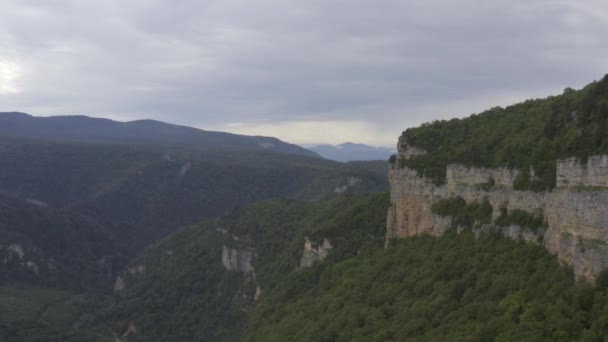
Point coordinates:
[(305, 71)]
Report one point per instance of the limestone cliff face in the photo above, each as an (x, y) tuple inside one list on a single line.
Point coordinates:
[(313, 252), (575, 212), (239, 259), (570, 172)]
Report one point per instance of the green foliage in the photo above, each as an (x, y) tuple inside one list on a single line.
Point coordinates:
[(434, 289), (52, 247), (602, 279), (534, 133), (186, 294), (80, 210), (38, 314), (462, 213), (521, 218), (106, 202), (143, 192)]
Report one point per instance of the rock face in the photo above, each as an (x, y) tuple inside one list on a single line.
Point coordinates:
[(122, 280), (570, 172), (238, 259), (313, 253), (351, 181), (575, 212)]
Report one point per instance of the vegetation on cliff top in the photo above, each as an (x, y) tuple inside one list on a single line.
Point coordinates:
[(464, 214), (534, 133)]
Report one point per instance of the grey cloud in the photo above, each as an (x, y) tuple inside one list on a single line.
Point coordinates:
[(392, 63)]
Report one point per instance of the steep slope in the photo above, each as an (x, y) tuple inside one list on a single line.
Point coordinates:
[(30, 313), (54, 248), (350, 152), (141, 131), (454, 288), (143, 192), (199, 283), (537, 171)]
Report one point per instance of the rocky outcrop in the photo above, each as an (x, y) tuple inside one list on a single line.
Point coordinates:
[(457, 174), (575, 212), (406, 150), (238, 259), (594, 173), (238, 255), (123, 279), (351, 182), (314, 252)]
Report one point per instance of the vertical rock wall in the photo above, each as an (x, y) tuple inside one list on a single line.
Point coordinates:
[(576, 212)]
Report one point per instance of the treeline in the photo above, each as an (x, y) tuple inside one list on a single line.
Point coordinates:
[(534, 134), (453, 288)]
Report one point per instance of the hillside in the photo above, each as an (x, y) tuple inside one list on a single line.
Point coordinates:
[(535, 171), (453, 288), (85, 128), (199, 283), (143, 192), (54, 248), (531, 135)]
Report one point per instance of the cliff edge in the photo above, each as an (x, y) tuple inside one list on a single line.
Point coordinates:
[(574, 214)]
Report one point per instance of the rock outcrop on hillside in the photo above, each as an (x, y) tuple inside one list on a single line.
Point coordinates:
[(314, 252), (575, 212)]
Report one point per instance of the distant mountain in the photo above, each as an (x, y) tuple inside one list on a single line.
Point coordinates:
[(80, 127), (142, 192), (79, 197), (351, 151)]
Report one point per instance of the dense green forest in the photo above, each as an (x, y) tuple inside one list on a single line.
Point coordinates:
[(29, 313), (141, 193), (55, 248), (74, 211), (186, 294), (534, 133), (453, 288), (424, 288)]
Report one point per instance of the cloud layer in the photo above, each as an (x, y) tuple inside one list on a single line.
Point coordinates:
[(305, 71)]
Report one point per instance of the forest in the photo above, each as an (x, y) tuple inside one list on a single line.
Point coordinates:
[(528, 136)]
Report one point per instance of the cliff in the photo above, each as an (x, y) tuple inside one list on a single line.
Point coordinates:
[(571, 219)]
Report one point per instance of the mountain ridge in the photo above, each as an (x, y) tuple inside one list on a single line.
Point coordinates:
[(349, 151), (147, 131)]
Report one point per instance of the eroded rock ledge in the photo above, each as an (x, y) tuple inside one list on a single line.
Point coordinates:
[(575, 213)]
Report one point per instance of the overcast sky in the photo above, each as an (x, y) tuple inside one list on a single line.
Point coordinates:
[(306, 71)]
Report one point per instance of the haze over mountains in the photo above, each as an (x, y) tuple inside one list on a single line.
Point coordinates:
[(350, 151), (138, 181), (85, 128)]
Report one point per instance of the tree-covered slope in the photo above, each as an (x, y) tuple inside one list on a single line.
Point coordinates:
[(84, 128), (180, 290), (32, 314), (534, 133), (55, 248), (143, 192), (453, 288)]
